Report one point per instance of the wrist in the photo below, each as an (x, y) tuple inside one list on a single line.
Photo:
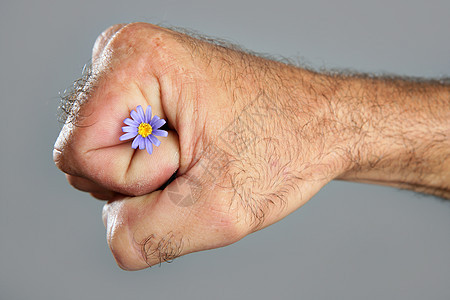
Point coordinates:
[(400, 132), (304, 107)]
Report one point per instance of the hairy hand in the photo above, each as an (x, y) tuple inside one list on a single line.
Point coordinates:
[(249, 142)]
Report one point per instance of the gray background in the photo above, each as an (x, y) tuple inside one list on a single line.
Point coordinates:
[(351, 241)]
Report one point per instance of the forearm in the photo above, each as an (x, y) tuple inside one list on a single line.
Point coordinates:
[(385, 130), (400, 132), (379, 130)]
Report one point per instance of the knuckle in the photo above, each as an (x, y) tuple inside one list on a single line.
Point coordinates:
[(137, 44), (64, 153), (110, 31), (161, 248), (58, 159), (137, 36), (120, 238), (103, 39), (58, 150), (62, 162)]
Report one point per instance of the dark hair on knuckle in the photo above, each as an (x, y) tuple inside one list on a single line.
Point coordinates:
[(73, 97), (162, 248)]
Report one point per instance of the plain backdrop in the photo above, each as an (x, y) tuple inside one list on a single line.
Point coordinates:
[(351, 241)]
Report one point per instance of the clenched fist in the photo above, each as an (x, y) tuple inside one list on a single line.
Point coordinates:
[(249, 141)]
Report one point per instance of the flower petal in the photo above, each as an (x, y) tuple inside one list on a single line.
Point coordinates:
[(148, 146), (154, 140), (141, 113), (136, 117), (129, 129), (131, 122), (159, 132), (136, 141), (148, 114), (158, 123), (142, 143), (127, 136), (155, 118)]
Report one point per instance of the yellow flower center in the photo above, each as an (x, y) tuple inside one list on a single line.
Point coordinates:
[(145, 129)]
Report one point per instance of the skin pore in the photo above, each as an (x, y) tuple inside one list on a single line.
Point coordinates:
[(250, 139)]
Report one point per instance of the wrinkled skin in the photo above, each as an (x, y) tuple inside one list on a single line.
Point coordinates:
[(249, 142)]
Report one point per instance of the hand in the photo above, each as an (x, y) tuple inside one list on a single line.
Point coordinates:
[(244, 147), (250, 140)]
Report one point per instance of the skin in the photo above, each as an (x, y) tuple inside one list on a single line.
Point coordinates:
[(250, 140)]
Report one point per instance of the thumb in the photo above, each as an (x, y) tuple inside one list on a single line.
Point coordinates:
[(163, 225)]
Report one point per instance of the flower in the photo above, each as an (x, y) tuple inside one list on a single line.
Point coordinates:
[(143, 128)]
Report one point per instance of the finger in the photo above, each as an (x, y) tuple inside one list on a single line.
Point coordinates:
[(117, 168), (91, 148), (86, 185), (158, 227), (103, 40)]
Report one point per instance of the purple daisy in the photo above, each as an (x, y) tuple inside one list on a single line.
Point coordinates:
[(143, 128)]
